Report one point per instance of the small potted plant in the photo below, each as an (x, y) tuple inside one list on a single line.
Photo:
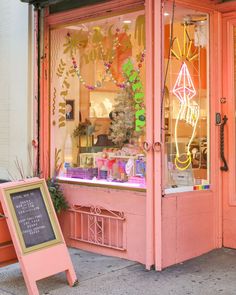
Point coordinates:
[(57, 195)]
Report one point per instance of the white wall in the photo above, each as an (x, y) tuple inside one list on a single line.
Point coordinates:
[(16, 77)]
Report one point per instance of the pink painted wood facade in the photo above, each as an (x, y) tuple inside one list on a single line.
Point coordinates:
[(160, 229), (131, 204), (228, 109)]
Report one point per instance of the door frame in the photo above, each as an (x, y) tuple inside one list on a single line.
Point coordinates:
[(228, 109), (215, 87), (229, 105)]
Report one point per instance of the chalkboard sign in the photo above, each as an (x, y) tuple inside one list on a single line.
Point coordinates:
[(35, 231), (32, 217)]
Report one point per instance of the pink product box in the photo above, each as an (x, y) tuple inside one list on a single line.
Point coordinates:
[(82, 173), (137, 179)]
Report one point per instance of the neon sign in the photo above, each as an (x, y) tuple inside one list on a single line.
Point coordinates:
[(184, 90)]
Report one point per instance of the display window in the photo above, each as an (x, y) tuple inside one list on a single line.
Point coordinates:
[(186, 98), (97, 100)]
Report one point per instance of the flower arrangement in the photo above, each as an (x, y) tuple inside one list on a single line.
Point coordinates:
[(84, 128)]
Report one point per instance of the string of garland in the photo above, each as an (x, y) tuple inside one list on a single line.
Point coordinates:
[(135, 81), (107, 65), (125, 84), (107, 73)]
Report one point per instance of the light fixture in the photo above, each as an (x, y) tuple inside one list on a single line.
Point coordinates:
[(166, 14), (127, 21)]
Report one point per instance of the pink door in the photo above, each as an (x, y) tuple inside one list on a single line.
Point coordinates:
[(228, 131)]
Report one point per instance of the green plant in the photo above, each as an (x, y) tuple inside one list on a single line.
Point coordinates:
[(84, 128), (57, 195)]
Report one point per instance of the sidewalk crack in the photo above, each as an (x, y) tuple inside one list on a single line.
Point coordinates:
[(115, 270)]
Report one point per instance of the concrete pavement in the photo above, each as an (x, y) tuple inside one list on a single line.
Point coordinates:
[(212, 273)]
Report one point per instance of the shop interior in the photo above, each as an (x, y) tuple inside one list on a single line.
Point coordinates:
[(97, 74)]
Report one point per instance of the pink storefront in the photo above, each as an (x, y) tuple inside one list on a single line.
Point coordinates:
[(137, 120)]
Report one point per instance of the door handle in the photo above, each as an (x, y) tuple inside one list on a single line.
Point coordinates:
[(156, 146), (2, 216), (147, 146), (222, 144)]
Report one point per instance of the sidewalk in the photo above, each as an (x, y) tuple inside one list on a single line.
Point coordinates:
[(212, 273)]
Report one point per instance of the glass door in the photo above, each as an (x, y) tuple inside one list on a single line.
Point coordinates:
[(186, 99)]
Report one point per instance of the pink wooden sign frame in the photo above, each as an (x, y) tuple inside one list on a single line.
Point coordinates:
[(32, 263)]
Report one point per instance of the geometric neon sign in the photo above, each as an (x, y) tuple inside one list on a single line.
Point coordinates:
[(189, 112), (184, 88)]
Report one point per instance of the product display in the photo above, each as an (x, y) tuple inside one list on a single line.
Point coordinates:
[(110, 167)]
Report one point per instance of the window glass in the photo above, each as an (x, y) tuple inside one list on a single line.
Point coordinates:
[(97, 75), (185, 97)]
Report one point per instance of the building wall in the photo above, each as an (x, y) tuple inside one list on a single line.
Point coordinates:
[(15, 87)]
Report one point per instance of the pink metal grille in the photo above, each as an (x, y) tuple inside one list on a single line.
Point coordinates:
[(97, 225)]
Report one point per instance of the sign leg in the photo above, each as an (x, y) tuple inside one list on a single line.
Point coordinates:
[(71, 277), (32, 288), (29, 280)]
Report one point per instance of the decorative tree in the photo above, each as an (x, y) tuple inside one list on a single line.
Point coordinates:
[(123, 117)]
